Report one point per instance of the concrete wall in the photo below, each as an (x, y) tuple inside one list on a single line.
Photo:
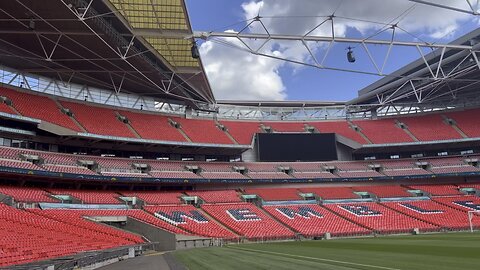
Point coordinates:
[(166, 240)]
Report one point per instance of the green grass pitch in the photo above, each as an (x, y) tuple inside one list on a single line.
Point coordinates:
[(433, 251)]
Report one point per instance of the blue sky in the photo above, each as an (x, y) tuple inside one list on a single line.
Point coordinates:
[(237, 75)]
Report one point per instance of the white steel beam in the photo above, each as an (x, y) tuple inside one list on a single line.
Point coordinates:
[(258, 36)]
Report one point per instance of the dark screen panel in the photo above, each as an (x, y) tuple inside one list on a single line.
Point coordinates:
[(296, 147)]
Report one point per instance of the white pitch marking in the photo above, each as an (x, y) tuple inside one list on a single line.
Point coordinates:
[(317, 259)]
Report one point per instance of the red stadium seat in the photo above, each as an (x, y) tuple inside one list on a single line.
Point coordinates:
[(247, 220), (312, 220)]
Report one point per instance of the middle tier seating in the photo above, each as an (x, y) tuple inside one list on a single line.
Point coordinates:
[(331, 193), (386, 191), (155, 197), (248, 220), (25, 194), (438, 190), (91, 196), (216, 196), (277, 194)]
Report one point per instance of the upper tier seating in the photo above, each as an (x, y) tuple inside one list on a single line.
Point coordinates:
[(155, 197), (103, 121), (383, 131), (39, 107), (331, 193), (434, 213), (379, 218), (247, 220), (384, 191), (203, 131), (467, 121), (438, 190), (24, 194), (278, 194), (27, 237), (190, 219), (430, 128), (90, 196), (153, 126), (296, 127), (341, 128), (98, 120), (5, 108), (216, 196), (313, 220), (242, 132)]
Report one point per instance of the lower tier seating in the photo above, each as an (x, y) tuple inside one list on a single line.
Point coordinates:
[(379, 218), (247, 220), (312, 220), (434, 213), (462, 203), (27, 236), (190, 219)]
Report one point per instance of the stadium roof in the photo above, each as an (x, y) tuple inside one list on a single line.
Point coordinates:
[(133, 46), (448, 76)]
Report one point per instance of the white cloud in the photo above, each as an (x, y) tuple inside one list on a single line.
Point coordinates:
[(239, 75)]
